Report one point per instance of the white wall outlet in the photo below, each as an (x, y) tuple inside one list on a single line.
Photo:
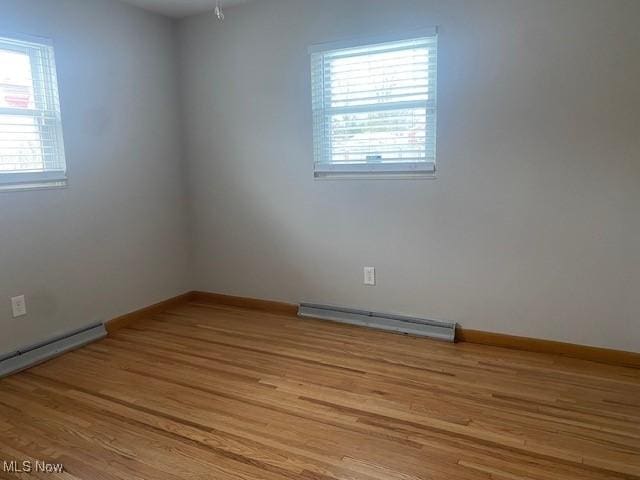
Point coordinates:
[(19, 306), (369, 275)]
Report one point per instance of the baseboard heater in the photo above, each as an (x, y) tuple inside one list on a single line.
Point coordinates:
[(40, 352), (382, 321)]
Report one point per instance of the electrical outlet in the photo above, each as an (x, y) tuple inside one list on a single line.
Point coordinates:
[(369, 275), (19, 306)]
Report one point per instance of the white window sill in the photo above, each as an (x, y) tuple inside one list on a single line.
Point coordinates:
[(379, 171), (26, 187), (375, 176)]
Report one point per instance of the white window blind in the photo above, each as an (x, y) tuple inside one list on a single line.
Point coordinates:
[(374, 107), (31, 145)]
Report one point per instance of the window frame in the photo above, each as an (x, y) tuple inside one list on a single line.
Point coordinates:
[(426, 169), (46, 108)]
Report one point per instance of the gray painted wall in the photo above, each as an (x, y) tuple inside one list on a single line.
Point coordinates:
[(532, 227), (115, 240)]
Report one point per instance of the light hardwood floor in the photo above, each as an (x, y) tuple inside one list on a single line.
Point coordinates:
[(213, 392)]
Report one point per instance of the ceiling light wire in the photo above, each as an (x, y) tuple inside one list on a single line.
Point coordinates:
[(218, 11)]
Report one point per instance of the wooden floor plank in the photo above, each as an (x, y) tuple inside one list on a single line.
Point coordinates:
[(204, 391)]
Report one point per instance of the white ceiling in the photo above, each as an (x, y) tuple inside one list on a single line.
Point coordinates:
[(181, 8)]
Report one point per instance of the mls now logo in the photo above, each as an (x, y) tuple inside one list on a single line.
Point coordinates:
[(28, 466)]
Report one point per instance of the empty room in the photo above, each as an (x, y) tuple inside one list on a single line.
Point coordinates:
[(320, 239)]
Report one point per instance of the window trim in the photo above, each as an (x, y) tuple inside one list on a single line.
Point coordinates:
[(51, 178), (369, 170), (373, 40)]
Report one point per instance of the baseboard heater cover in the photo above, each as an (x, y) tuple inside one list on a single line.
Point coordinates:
[(40, 352), (396, 323)]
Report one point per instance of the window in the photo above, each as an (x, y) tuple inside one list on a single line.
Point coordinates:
[(374, 107), (31, 146)]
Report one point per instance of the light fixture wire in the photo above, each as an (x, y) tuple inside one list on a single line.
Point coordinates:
[(218, 11)]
